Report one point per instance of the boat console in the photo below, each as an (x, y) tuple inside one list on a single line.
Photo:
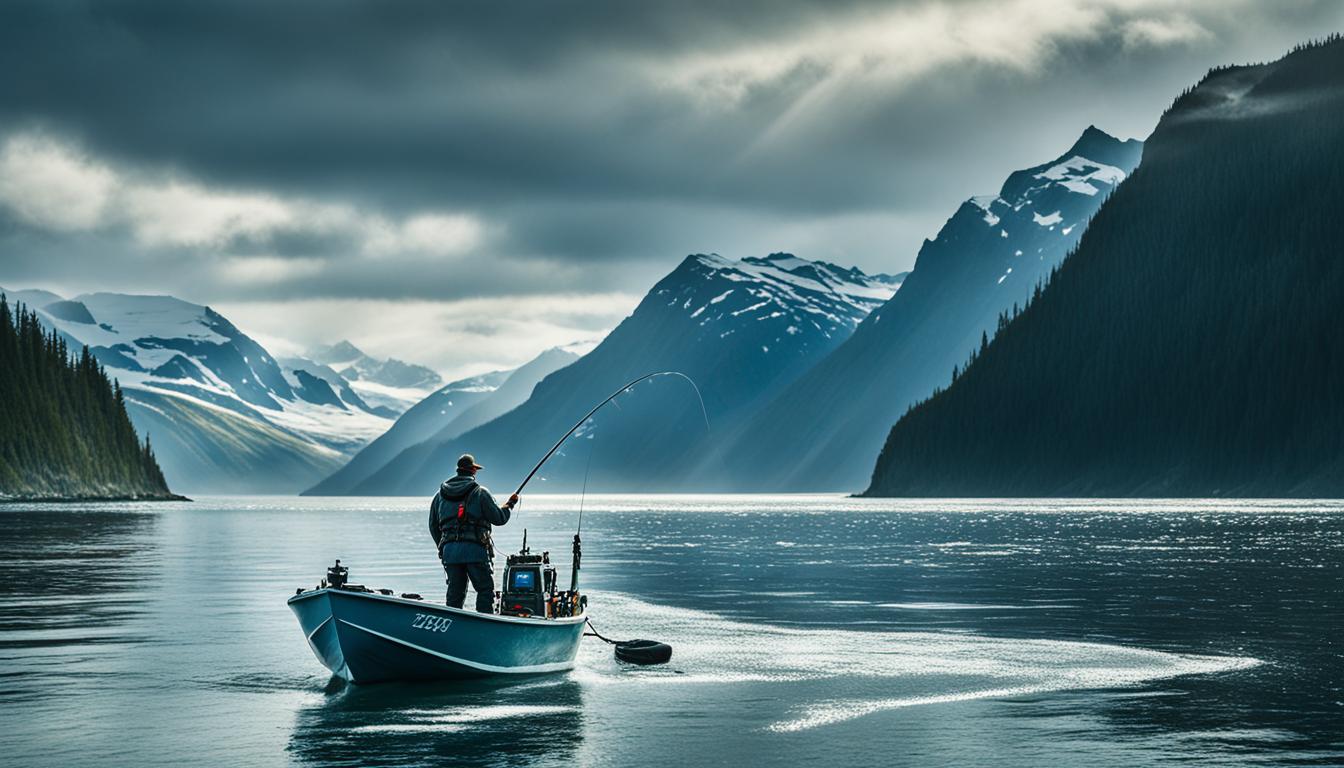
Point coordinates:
[(530, 588), (528, 579)]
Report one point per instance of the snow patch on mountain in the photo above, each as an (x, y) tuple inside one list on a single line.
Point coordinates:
[(781, 295), (1047, 221), (1076, 173), (388, 383)]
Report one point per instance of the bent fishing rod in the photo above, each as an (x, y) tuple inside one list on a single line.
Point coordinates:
[(634, 651), (599, 406)]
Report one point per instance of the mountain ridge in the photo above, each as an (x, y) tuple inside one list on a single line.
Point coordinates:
[(448, 412), (989, 255), (1159, 360), (740, 328), (388, 384)]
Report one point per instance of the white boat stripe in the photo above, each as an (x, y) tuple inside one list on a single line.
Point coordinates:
[(555, 666), (319, 626)]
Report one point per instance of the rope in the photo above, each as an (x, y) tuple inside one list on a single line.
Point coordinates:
[(594, 633)]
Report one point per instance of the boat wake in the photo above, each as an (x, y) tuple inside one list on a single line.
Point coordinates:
[(923, 667)]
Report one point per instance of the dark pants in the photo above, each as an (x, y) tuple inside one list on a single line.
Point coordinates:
[(482, 577)]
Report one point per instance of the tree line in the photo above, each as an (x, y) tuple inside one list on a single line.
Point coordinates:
[(64, 431)]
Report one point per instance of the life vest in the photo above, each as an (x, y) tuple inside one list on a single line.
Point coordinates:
[(457, 524)]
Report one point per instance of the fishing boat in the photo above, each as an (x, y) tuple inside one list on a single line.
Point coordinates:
[(368, 636)]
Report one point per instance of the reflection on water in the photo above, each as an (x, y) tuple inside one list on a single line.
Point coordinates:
[(480, 723), (75, 587), (807, 630)]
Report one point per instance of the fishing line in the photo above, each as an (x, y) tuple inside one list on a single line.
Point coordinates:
[(592, 447), (631, 651), (596, 408)]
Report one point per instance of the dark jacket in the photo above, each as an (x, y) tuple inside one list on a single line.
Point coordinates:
[(481, 510)]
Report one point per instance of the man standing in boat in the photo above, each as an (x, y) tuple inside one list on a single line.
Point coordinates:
[(460, 518)]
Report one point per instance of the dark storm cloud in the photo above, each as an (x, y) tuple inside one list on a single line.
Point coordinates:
[(273, 151)]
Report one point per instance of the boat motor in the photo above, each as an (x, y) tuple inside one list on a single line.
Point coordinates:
[(337, 575)]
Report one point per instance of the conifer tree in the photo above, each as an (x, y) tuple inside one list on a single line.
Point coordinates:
[(64, 430)]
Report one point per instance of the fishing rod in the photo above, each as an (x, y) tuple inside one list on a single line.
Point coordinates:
[(598, 407), (633, 651)]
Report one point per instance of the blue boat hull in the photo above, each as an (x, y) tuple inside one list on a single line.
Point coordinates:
[(369, 638)]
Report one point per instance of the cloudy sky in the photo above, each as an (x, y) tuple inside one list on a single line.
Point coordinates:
[(465, 184)]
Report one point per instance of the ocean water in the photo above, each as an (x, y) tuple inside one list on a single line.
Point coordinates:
[(806, 630)]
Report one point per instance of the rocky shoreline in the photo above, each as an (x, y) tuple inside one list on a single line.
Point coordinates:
[(6, 499)]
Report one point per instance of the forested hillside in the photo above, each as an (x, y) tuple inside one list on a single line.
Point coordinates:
[(1192, 346), (64, 432)]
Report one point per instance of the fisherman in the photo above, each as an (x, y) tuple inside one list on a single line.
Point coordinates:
[(460, 517)]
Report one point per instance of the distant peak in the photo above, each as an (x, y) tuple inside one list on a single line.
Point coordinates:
[(344, 346), (785, 261), (1097, 144), (712, 260), (1093, 131), (340, 352), (1094, 148), (777, 263), (1091, 139)]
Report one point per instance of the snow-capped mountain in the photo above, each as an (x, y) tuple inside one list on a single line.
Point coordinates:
[(988, 257), (224, 414), (300, 369), (450, 411), (740, 329), (390, 384), (776, 297)]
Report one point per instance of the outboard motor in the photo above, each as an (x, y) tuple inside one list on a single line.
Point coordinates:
[(337, 575)]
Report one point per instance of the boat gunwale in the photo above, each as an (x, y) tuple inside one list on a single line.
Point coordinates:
[(562, 621)]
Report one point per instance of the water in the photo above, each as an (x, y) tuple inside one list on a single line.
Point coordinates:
[(807, 630)]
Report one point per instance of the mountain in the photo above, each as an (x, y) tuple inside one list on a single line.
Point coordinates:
[(452, 410), (741, 329), (225, 415), (64, 432), (513, 392), (302, 368), (417, 424), (822, 432), (391, 385), (1192, 346)]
